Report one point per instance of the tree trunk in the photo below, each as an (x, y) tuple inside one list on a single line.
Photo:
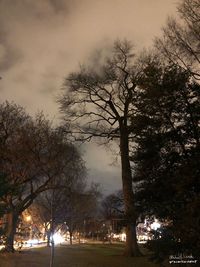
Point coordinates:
[(48, 238), (79, 238), (71, 231), (131, 248), (12, 219), (70, 237)]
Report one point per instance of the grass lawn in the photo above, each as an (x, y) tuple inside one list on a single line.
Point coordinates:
[(84, 255)]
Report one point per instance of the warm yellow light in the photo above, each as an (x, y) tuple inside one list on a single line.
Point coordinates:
[(28, 218)]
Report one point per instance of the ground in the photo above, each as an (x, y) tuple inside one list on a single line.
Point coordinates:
[(84, 255)]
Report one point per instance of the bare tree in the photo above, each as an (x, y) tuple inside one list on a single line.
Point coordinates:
[(112, 206), (99, 102), (180, 43), (80, 205), (32, 154)]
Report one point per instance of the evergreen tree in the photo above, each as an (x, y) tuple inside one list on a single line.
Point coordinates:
[(167, 158)]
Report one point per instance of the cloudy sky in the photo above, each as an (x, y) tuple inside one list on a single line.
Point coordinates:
[(41, 41)]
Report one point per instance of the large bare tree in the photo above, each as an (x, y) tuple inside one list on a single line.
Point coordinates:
[(99, 101)]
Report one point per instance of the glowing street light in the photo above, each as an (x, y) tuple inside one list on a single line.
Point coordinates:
[(28, 218), (155, 225)]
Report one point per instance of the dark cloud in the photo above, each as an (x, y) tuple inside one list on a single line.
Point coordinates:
[(41, 41), (103, 166), (8, 56), (60, 5)]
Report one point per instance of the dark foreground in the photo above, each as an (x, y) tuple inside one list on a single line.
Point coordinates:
[(91, 255)]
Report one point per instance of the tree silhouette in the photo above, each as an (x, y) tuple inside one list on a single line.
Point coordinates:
[(99, 102)]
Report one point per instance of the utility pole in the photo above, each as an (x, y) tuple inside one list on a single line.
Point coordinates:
[(52, 228)]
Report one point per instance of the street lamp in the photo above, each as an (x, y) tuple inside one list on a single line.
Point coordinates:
[(28, 218)]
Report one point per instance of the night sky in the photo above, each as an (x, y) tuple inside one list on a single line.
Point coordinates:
[(41, 41)]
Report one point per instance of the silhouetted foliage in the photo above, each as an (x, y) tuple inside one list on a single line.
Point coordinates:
[(167, 159)]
